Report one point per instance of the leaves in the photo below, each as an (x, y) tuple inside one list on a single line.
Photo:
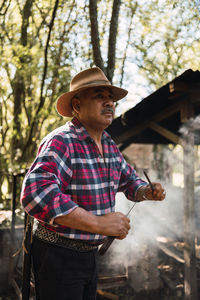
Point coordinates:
[(44, 43)]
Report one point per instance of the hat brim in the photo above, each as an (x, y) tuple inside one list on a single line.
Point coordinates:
[(63, 104)]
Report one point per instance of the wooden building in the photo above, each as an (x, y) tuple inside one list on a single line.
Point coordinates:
[(157, 120)]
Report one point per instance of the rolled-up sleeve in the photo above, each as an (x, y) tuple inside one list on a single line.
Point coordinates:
[(130, 181), (43, 194)]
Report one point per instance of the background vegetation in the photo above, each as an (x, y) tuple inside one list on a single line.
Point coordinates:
[(138, 44)]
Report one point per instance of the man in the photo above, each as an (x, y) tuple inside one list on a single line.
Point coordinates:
[(70, 189)]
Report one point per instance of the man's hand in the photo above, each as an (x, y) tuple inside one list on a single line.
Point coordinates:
[(146, 193), (114, 224)]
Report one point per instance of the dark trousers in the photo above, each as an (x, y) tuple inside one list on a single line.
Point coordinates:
[(63, 274)]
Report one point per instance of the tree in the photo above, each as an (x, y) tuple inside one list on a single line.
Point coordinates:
[(44, 43)]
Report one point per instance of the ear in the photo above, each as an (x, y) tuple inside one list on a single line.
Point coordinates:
[(76, 104)]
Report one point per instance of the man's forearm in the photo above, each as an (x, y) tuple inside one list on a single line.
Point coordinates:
[(111, 224), (80, 219)]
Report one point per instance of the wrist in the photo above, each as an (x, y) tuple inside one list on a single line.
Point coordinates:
[(141, 194), (99, 224), (144, 196)]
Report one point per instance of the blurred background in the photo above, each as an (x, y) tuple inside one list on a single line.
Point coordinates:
[(143, 46)]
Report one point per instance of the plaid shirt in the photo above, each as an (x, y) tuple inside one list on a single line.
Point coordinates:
[(69, 172)]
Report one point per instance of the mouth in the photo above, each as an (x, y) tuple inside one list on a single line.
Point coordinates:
[(108, 111)]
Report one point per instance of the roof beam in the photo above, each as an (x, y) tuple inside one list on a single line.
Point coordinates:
[(165, 132), (169, 111), (187, 111), (141, 126)]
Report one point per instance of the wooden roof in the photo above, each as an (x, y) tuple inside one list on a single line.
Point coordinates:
[(158, 118)]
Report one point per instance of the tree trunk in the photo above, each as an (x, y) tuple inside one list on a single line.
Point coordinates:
[(18, 95), (113, 39), (18, 86), (35, 122), (95, 35), (95, 39)]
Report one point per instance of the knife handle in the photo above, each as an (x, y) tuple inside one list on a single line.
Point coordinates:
[(104, 247)]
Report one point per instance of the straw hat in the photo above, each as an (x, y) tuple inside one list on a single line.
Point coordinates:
[(88, 78)]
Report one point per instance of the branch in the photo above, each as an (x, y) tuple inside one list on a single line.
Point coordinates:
[(60, 51), (133, 10), (6, 9), (18, 4), (55, 76), (45, 56), (95, 35), (6, 128), (42, 99), (57, 62), (43, 17), (25, 21), (113, 39)]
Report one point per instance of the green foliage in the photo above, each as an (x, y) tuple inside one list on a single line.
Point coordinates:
[(159, 37), (167, 40)]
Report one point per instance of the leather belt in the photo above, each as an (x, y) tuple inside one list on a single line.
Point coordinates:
[(44, 234)]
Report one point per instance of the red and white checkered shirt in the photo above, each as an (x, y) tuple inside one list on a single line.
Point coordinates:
[(69, 172)]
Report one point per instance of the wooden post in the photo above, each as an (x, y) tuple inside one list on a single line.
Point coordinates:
[(190, 276), (14, 191), (27, 259), (190, 280)]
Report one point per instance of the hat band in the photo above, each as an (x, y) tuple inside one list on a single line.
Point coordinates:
[(92, 83)]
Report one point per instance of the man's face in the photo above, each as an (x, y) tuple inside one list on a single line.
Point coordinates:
[(96, 107)]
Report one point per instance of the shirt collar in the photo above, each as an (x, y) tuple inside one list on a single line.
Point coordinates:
[(82, 132)]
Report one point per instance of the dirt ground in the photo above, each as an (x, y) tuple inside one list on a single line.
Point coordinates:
[(171, 272)]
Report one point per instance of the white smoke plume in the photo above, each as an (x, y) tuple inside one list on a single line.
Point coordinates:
[(153, 219)]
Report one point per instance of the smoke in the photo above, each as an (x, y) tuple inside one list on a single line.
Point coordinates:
[(149, 220), (153, 219), (190, 127)]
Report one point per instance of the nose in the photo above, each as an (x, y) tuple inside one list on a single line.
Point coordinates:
[(109, 102)]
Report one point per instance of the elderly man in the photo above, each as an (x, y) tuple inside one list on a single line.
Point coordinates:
[(70, 189)]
